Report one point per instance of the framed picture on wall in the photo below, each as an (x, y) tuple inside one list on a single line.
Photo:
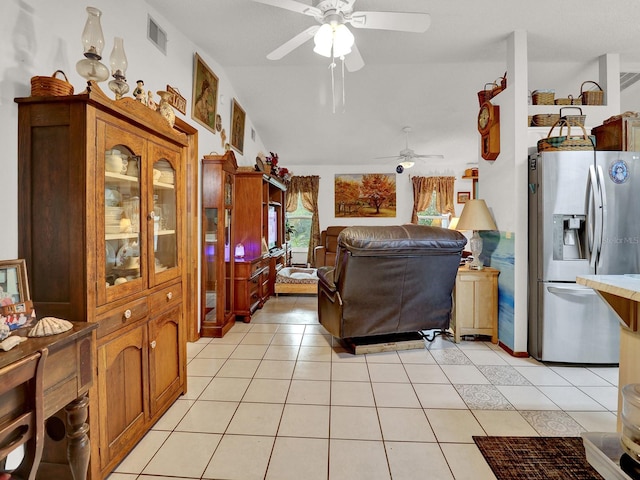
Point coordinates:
[(237, 126), (365, 195), (205, 94), (463, 197)]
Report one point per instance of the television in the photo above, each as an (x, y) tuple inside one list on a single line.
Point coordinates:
[(272, 228)]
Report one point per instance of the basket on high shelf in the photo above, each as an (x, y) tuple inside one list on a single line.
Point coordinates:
[(545, 119), (591, 97), (574, 120), (568, 101), (542, 97), (51, 86)]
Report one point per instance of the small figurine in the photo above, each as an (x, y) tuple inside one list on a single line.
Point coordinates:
[(138, 92), (150, 102)]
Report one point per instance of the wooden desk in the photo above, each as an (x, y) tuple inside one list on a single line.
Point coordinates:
[(68, 374), (622, 293)]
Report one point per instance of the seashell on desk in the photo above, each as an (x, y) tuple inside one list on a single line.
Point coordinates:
[(10, 342), (49, 326)]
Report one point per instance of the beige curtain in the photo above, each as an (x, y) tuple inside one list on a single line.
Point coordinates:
[(308, 188), (423, 188)]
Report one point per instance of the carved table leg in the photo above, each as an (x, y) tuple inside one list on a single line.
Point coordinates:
[(78, 450)]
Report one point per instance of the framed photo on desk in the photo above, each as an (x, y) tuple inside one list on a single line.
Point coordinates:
[(16, 307)]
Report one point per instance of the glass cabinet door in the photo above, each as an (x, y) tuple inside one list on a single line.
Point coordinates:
[(122, 222), (210, 253), (163, 220)]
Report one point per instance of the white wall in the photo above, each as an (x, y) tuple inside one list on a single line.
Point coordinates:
[(38, 37)]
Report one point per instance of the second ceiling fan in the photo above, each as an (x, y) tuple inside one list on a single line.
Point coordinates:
[(333, 38), (407, 157)]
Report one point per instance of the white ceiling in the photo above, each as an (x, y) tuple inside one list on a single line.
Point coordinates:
[(428, 81)]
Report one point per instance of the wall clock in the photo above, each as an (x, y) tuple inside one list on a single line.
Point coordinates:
[(489, 128)]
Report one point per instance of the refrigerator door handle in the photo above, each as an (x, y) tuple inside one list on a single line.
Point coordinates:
[(602, 213), (594, 227), (583, 292)]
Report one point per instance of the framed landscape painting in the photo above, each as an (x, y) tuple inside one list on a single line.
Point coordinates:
[(365, 195), (237, 126), (205, 94)]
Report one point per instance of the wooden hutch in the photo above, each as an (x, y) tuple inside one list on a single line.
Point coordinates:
[(243, 218), (102, 230), (259, 218), (217, 244)]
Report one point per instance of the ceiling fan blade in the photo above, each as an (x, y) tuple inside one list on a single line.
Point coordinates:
[(402, 21), (353, 61), (293, 6), (428, 156), (294, 43), (387, 158)]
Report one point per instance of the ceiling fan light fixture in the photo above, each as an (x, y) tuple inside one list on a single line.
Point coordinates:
[(343, 40), (333, 39), (323, 40), (407, 164)]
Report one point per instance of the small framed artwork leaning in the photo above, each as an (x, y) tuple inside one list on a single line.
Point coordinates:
[(16, 307), (205, 94), (463, 197), (237, 127)]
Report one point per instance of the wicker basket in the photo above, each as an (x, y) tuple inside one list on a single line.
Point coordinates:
[(51, 86), (568, 101), (545, 119), (542, 98), (574, 120), (568, 142), (591, 97), (486, 94)]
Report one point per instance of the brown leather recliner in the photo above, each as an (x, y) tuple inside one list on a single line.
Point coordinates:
[(325, 252), (390, 280)]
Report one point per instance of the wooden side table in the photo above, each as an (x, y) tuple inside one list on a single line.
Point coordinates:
[(475, 310)]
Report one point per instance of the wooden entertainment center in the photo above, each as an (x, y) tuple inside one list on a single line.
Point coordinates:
[(243, 241)]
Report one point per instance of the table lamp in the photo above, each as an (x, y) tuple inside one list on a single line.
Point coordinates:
[(476, 216)]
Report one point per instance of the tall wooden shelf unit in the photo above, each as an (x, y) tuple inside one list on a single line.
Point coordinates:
[(254, 274), (108, 247), (217, 244)]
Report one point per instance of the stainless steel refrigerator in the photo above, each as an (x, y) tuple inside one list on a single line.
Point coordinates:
[(583, 219)]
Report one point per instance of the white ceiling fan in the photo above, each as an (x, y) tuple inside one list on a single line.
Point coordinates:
[(335, 14), (407, 157)]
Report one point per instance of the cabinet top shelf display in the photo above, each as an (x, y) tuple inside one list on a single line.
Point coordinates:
[(126, 108)]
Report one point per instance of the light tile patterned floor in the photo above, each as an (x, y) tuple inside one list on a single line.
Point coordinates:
[(279, 399)]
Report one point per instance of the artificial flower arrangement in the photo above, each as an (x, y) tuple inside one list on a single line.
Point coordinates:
[(272, 166)]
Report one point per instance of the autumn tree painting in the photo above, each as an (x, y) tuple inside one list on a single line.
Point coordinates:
[(365, 195)]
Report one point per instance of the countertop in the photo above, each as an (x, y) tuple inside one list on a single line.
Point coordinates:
[(621, 292)]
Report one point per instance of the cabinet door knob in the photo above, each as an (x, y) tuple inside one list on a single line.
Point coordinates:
[(127, 314), (153, 344), (151, 216), (169, 295)]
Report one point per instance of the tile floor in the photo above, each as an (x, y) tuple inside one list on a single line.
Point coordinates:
[(278, 399)]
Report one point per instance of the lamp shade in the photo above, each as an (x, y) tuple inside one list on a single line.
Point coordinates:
[(476, 216), (323, 40), (342, 41)]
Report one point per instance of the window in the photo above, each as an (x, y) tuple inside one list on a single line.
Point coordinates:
[(431, 216), (299, 222)]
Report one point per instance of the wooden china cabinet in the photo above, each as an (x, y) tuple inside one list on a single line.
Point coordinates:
[(102, 231), (216, 308)]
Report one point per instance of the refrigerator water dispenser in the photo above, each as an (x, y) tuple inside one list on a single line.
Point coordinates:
[(569, 237)]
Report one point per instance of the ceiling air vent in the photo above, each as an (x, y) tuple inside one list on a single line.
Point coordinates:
[(157, 35), (628, 78)]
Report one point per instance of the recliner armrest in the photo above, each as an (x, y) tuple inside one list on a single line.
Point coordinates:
[(319, 256), (325, 276)]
